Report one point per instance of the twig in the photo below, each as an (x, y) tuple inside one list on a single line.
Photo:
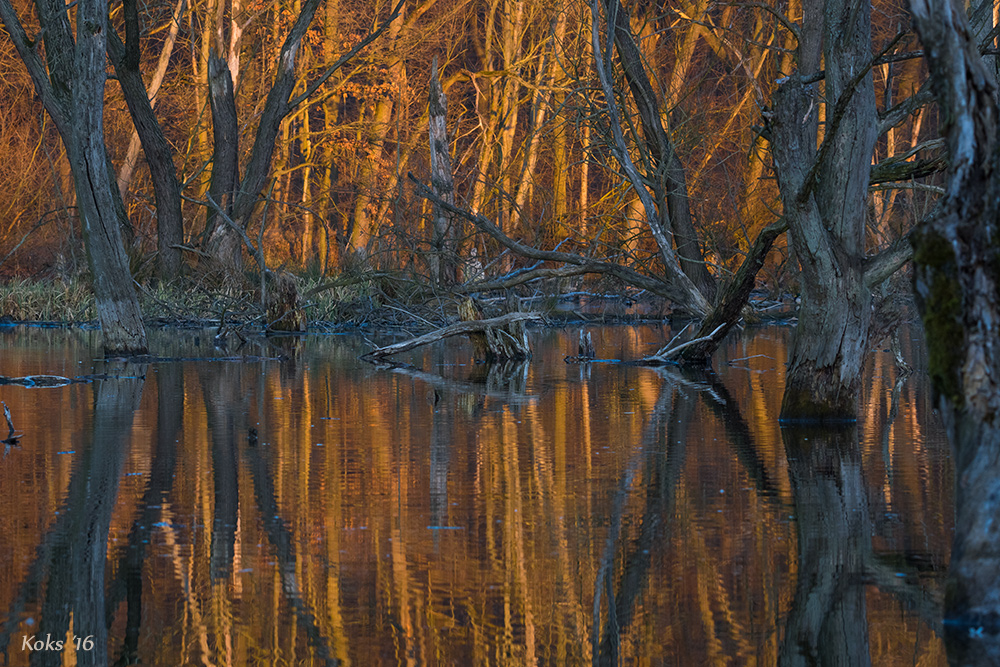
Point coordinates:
[(667, 346)]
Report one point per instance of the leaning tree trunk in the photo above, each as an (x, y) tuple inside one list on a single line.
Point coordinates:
[(957, 282), (670, 181), (159, 154), (117, 305), (70, 83), (825, 195)]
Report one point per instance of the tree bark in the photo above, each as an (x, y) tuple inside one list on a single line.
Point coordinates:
[(957, 284), (222, 240), (824, 193), (117, 305), (159, 155), (669, 181), (277, 106), (72, 91), (443, 260)]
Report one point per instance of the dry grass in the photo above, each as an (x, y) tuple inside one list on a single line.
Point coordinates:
[(47, 301)]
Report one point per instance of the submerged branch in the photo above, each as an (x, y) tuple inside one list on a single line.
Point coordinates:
[(457, 329)]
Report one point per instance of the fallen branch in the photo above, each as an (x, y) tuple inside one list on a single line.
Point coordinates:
[(35, 381), (457, 329), (678, 296), (665, 355)]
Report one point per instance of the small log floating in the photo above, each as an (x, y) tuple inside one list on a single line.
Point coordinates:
[(493, 324)]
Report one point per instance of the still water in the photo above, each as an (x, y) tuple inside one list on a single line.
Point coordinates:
[(320, 510)]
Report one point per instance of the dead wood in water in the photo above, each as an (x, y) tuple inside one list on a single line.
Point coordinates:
[(12, 435), (496, 325)]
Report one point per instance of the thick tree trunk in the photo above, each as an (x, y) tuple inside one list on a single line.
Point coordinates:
[(222, 241), (72, 91), (117, 305), (957, 283), (824, 194)]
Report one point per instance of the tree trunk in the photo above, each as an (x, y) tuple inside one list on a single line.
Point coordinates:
[(957, 284), (222, 241), (371, 177), (72, 91), (825, 202), (443, 260), (117, 305), (670, 182), (159, 155)]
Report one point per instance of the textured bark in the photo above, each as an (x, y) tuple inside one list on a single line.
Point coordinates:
[(159, 155), (824, 193), (117, 305), (690, 298), (72, 91), (127, 169), (443, 264), (223, 242), (277, 106), (732, 300), (957, 284)]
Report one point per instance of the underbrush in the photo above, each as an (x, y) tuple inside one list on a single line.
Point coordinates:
[(328, 302), (47, 300), (372, 298)]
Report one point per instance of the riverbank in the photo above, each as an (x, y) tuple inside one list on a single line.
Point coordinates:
[(347, 302)]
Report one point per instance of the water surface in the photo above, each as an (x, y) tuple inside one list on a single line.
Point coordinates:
[(320, 510)]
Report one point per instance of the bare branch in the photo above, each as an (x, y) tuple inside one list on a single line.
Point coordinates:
[(897, 114), (666, 355), (884, 264), (456, 329), (623, 273), (344, 59)]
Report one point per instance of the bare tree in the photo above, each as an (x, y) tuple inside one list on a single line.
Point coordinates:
[(159, 155), (223, 240), (70, 82), (824, 191)]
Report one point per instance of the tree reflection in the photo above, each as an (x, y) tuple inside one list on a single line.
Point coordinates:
[(73, 553), (226, 405), (659, 461), (128, 583), (828, 623)]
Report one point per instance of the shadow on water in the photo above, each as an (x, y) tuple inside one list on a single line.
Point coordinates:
[(322, 511)]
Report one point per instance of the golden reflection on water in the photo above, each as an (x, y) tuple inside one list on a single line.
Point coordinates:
[(322, 511)]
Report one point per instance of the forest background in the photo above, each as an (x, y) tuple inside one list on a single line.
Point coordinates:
[(531, 145)]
